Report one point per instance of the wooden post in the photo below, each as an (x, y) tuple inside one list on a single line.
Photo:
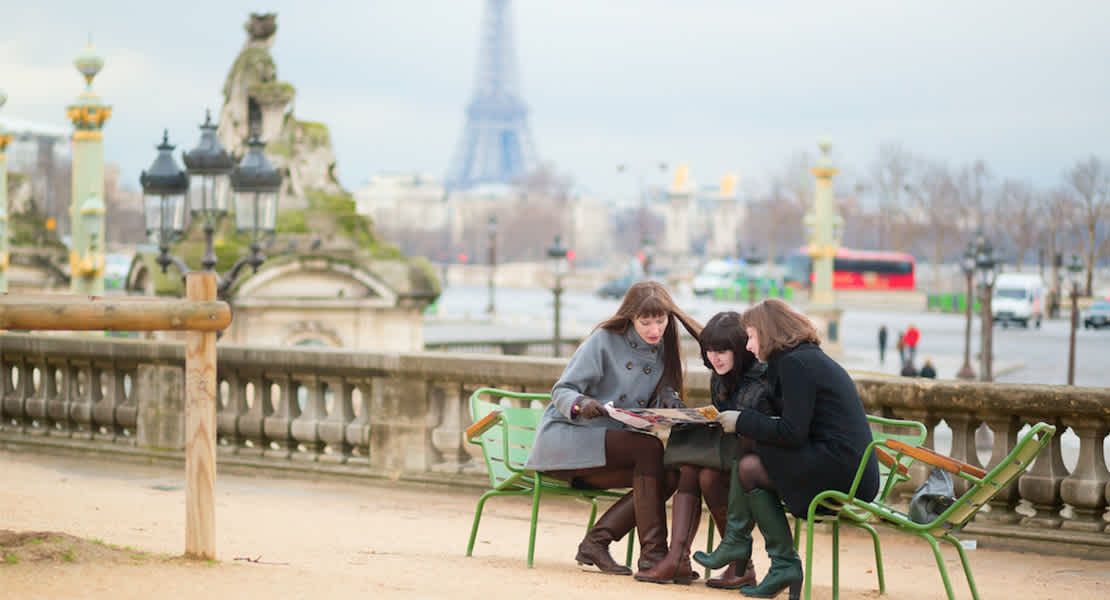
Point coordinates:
[(200, 427)]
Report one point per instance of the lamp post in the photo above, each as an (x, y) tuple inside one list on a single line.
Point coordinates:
[(825, 229), (967, 265), (492, 259), (986, 267), (5, 138), (1075, 275), (254, 182), (557, 262)]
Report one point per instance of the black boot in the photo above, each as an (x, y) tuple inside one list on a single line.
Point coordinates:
[(736, 542), (786, 568), (614, 524)]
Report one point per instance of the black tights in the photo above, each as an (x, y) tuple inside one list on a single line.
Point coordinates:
[(627, 454), (753, 475)]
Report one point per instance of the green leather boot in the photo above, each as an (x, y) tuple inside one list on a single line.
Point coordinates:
[(786, 568), (736, 543)]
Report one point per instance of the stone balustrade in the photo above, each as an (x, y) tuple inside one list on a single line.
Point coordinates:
[(402, 415)]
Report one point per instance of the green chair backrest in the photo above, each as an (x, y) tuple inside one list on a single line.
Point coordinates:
[(912, 433), (983, 490), (506, 446)]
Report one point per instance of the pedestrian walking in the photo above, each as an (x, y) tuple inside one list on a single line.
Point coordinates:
[(882, 344), (912, 337)]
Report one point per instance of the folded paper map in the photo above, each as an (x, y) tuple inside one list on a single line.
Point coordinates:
[(661, 418)]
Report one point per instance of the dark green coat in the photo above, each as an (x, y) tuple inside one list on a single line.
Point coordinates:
[(818, 441)]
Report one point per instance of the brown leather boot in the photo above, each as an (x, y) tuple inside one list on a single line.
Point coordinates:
[(675, 566), (729, 579), (614, 524), (651, 519)]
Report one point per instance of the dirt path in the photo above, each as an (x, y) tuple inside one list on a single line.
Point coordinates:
[(317, 539)]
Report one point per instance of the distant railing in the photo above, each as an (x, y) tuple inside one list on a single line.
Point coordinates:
[(402, 415)]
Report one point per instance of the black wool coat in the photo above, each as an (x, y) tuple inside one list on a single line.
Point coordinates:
[(818, 441)]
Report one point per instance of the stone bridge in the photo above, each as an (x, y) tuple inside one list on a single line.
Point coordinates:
[(401, 415)]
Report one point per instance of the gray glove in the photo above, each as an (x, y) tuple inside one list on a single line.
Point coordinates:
[(727, 419)]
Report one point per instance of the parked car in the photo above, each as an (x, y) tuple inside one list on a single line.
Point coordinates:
[(615, 288), (1098, 315), (718, 274)]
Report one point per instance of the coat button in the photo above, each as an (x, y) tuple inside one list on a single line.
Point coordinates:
[(633, 344), (647, 370), (624, 398), (642, 403), (654, 349), (628, 366)]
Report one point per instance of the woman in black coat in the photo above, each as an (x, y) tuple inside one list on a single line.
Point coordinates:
[(815, 445)]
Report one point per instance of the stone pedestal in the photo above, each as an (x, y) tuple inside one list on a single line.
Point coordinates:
[(827, 321), (160, 390)]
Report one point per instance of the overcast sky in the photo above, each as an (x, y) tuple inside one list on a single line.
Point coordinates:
[(724, 85)]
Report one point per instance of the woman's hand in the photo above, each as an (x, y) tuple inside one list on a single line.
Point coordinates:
[(670, 399), (727, 419), (589, 408)]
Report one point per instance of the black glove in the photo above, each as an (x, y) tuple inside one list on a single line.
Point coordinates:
[(589, 408)]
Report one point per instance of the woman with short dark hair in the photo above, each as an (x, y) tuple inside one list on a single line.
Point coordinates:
[(815, 445)]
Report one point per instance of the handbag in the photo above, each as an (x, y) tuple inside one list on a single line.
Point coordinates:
[(700, 445), (932, 497)]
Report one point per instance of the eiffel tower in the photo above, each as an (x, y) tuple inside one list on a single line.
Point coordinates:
[(496, 145)]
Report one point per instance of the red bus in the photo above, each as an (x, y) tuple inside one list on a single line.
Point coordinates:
[(856, 270)]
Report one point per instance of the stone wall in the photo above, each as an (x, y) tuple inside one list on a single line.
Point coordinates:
[(402, 416)]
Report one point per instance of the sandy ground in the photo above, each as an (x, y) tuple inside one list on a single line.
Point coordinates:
[(337, 539)]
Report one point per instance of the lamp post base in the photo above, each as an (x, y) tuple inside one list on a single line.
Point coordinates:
[(965, 372)]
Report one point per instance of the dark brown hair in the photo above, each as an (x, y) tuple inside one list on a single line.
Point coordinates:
[(650, 299), (723, 333), (778, 327)]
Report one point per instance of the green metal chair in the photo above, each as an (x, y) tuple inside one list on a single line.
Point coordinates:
[(983, 486), (506, 435), (892, 471)]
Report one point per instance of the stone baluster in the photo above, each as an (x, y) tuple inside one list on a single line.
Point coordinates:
[(332, 430), (304, 428), (1040, 484), (57, 407), (127, 405), (17, 388), (1084, 488), (232, 407), (1005, 429), (37, 413), (450, 404), (104, 409), (160, 392), (251, 425), (963, 427), (279, 424), (357, 431), (84, 398), (400, 438)]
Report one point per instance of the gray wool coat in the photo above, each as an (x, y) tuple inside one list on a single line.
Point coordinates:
[(610, 367)]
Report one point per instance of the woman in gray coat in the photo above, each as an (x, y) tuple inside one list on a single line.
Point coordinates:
[(632, 360)]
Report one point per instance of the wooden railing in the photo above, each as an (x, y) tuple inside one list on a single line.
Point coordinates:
[(402, 415)]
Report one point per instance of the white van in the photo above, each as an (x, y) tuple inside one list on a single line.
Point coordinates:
[(717, 274), (1018, 298)]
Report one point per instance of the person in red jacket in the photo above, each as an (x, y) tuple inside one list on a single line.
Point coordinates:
[(912, 337)]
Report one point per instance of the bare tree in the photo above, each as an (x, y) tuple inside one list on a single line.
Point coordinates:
[(1058, 213), (1021, 220), (1091, 182), (973, 182), (774, 221), (937, 202), (890, 173)]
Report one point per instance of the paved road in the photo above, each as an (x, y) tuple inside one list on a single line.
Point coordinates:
[(1021, 355)]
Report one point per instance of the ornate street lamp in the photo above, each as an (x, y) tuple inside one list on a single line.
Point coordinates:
[(986, 267), (209, 166), (1075, 276), (492, 259), (967, 265), (254, 182), (557, 263)]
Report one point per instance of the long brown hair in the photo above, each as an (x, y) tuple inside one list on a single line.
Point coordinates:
[(650, 299), (778, 327), (723, 333)]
